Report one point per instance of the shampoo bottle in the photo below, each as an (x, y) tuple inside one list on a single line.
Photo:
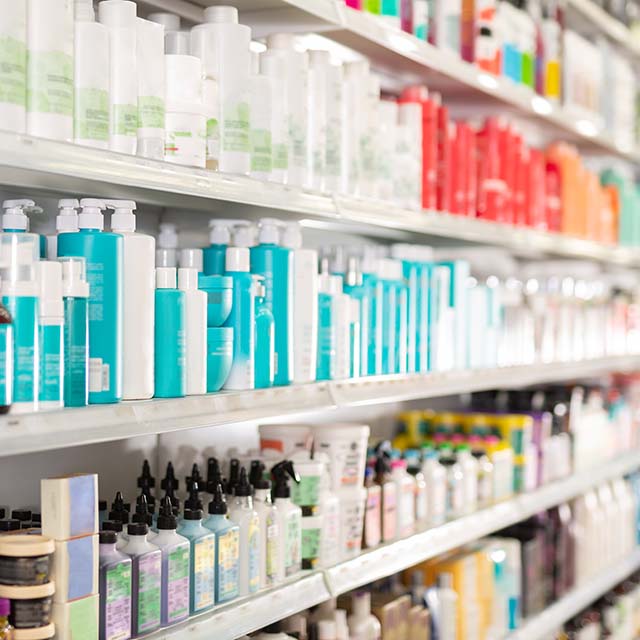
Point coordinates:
[(354, 287), (66, 221), (13, 66), (15, 220), (103, 253), (289, 520), (326, 360), (362, 623), (227, 548), (195, 308), (265, 344), (215, 254), (138, 304), (261, 99), (244, 515), (50, 336), (275, 263), (175, 566), (170, 374), (115, 589)]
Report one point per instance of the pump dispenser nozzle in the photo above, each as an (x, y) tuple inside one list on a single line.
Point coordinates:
[(91, 216), (243, 487), (269, 231), (193, 502), (118, 510), (15, 214), (67, 218), (281, 474), (122, 218), (142, 514), (214, 478), (218, 506), (170, 482)]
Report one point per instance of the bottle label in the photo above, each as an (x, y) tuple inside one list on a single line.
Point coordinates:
[(272, 549), (331, 534), (150, 112), (204, 558), (124, 120), (261, 151), (178, 584), (306, 493), (149, 586), (311, 545), (254, 554), (389, 511), (91, 114), (50, 82), (293, 552), (280, 156), (372, 518), (298, 139), (117, 622), (51, 373), (236, 127), (228, 565), (13, 71), (76, 352), (6, 364), (25, 346)]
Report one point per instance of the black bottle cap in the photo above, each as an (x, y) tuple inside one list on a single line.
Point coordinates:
[(382, 465), (146, 479), (193, 502), (108, 537), (112, 525), (9, 525), (194, 477), (137, 529), (193, 514), (281, 474), (24, 515), (256, 475), (218, 506), (214, 477), (234, 475), (142, 513), (103, 505), (243, 488), (175, 501), (170, 481), (167, 521)]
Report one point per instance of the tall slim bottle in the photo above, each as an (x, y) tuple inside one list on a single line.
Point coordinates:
[(195, 309)]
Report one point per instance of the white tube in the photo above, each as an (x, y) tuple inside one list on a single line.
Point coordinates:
[(13, 66), (319, 63), (50, 69), (223, 47), (91, 80), (151, 88), (273, 66), (119, 16)]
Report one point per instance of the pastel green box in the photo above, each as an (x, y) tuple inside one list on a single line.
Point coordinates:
[(77, 620)]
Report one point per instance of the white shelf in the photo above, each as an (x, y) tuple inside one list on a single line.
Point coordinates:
[(34, 432), (541, 626), (253, 613), (50, 166)]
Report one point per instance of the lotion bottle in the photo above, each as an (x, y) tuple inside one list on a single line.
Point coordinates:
[(265, 354), (195, 311), (215, 254), (362, 623), (289, 520)]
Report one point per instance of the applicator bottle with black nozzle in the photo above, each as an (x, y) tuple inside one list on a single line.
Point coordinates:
[(146, 482), (227, 547), (289, 519), (117, 527), (194, 477), (214, 477), (143, 514), (241, 512), (170, 482), (234, 475), (268, 517), (176, 553), (119, 513), (203, 545)]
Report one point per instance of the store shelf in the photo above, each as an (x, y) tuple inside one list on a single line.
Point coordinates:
[(545, 623), (250, 614), (34, 432), (31, 163)]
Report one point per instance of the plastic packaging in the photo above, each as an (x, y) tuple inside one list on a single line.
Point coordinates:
[(289, 519), (195, 309), (269, 527), (319, 62)]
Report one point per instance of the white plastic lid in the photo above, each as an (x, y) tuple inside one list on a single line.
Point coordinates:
[(166, 258), (292, 235), (335, 285), (168, 237), (285, 41), (83, 11), (74, 277), (243, 235), (219, 233), (269, 231), (191, 259), (50, 288), (326, 630), (221, 14), (237, 260), (170, 21), (319, 58), (187, 279), (183, 79), (166, 278), (177, 43), (67, 218), (15, 217), (122, 218), (90, 216), (117, 13)]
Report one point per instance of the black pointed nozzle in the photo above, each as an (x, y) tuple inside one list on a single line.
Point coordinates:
[(243, 487), (146, 479), (193, 502), (194, 477), (142, 514), (119, 511), (234, 475), (256, 475), (281, 474), (218, 506), (214, 478), (175, 501), (167, 520), (170, 481), (151, 501)]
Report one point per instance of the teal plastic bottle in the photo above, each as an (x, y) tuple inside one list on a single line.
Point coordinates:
[(327, 335), (6, 361), (202, 562), (354, 287), (410, 275), (103, 253), (15, 220), (373, 287), (402, 325), (214, 256), (242, 320), (275, 264), (227, 548), (265, 339), (170, 371), (423, 315), (388, 279)]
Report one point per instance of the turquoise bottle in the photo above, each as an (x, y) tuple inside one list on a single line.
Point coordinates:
[(203, 554), (327, 329), (402, 325), (264, 340), (214, 256), (170, 371), (227, 548), (422, 317), (275, 264), (354, 287), (410, 274), (103, 253), (389, 316), (373, 287)]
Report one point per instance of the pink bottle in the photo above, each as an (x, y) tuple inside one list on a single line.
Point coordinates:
[(354, 4)]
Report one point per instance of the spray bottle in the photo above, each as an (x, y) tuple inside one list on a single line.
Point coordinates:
[(269, 532), (289, 520)]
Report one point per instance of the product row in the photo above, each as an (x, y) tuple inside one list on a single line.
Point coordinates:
[(529, 43)]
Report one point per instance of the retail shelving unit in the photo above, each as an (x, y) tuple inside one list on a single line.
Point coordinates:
[(252, 613), (106, 423)]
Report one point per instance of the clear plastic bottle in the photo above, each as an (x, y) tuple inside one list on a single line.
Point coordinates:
[(485, 474), (455, 485), (405, 491), (435, 476), (470, 471)]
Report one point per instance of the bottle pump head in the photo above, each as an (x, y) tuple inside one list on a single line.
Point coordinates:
[(292, 235), (269, 231), (122, 218), (219, 231), (15, 214), (67, 218), (218, 506), (91, 216), (281, 474)]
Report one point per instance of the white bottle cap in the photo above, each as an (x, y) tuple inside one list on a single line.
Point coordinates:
[(122, 218), (191, 259), (221, 15), (283, 41), (292, 235), (90, 216), (74, 277), (326, 630), (183, 83), (170, 21), (14, 216), (166, 278), (319, 58), (219, 233), (269, 231), (361, 604), (187, 279), (237, 259), (177, 43), (50, 289), (243, 235), (166, 258), (67, 218), (117, 13), (168, 237), (255, 63), (84, 11)]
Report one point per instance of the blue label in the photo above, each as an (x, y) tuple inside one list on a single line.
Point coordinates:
[(6, 364), (76, 352), (24, 311), (51, 363)]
